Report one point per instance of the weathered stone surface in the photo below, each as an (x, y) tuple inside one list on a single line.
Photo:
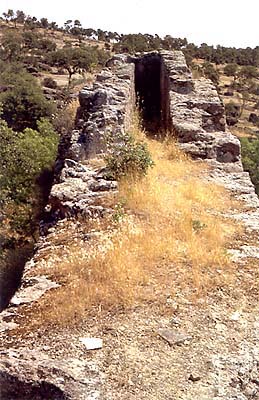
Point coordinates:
[(35, 288), (104, 108), (79, 189), (198, 114), (173, 337), (32, 375)]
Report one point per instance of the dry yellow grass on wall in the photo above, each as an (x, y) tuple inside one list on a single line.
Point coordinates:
[(166, 230)]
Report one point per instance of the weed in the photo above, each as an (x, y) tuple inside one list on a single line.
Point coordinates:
[(128, 157)]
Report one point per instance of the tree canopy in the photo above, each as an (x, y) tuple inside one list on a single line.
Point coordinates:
[(23, 101), (77, 59), (24, 156)]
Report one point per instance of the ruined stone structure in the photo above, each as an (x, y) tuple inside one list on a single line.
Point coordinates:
[(171, 101)]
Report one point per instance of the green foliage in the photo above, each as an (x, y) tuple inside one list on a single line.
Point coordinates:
[(49, 83), (231, 70), (16, 46), (77, 60), (248, 72), (12, 263), (170, 43), (210, 72), (11, 46), (233, 111), (198, 226), (119, 212), (250, 159), (128, 157), (23, 101), (24, 157)]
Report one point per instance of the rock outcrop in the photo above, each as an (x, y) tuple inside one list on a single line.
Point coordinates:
[(198, 115), (193, 112)]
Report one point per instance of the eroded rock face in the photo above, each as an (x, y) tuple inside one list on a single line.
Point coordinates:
[(32, 375), (104, 109), (198, 115)]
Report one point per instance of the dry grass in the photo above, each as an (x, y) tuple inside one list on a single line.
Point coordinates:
[(65, 121), (166, 231), (179, 214)]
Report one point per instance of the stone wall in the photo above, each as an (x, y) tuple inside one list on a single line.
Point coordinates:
[(105, 109), (198, 115)]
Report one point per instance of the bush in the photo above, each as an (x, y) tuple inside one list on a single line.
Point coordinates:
[(254, 118), (23, 103), (50, 83), (232, 113), (25, 159), (250, 159), (128, 158), (211, 73)]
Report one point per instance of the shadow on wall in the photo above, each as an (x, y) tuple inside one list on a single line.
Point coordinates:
[(11, 388), (11, 271), (152, 93)]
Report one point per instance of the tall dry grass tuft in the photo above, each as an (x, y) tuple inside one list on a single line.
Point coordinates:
[(64, 122), (166, 231), (180, 215), (106, 271)]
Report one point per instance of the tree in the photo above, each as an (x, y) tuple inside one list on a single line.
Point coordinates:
[(90, 33), (20, 17), (9, 15), (132, 43), (30, 22), (77, 29), (77, 24), (250, 159), (101, 34), (68, 25), (205, 52), (210, 72), (171, 43), (31, 39), (11, 47), (46, 45), (77, 60), (231, 70), (44, 23), (248, 72), (53, 26), (24, 156), (23, 101)]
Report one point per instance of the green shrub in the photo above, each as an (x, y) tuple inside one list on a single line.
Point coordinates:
[(23, 102), (233, 111), (128, 157), (50, 83), (26, 162), (250, 159), (210, 72)]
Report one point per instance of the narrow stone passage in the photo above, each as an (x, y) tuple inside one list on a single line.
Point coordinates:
[(152, 93)]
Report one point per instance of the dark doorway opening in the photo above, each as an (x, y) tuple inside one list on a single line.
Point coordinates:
[(152, 94)]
